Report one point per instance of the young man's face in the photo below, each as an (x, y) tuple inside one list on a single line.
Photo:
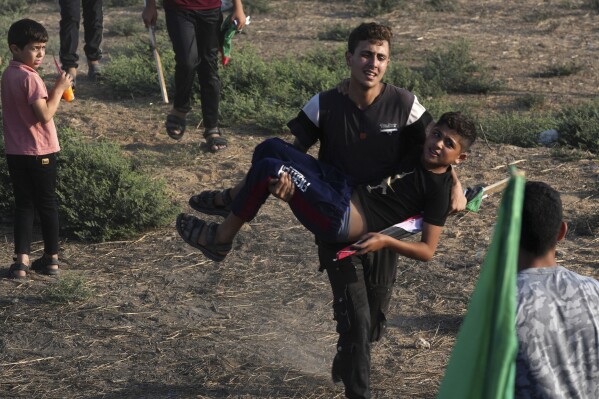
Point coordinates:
[(31, 55), (368, 63), (442, 148)]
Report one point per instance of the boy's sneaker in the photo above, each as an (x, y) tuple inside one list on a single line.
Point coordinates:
[(94, 72)]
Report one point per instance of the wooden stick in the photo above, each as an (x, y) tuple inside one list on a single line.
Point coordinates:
[(158, 64)]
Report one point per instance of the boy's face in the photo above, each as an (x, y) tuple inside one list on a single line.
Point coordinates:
[(31, 55), (368, 63), (442, 147)]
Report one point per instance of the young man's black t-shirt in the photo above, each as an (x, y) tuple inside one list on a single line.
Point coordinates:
[(368, 144)]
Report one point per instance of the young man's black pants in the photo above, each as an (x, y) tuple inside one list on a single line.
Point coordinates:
[(362, 287), (194, 34), (93, 25)]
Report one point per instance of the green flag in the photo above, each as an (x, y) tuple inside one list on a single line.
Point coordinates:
[(483, 360)]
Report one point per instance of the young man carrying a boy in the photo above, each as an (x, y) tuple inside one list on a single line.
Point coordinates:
[(31, 144), (326, 203), (366, 134)]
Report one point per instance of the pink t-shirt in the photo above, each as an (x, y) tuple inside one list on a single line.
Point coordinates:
[(24, 134)]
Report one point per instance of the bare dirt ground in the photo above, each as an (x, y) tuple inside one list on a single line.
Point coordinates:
[(166, 323)]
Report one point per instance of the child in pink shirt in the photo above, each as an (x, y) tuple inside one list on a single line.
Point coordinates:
[(31, 144)]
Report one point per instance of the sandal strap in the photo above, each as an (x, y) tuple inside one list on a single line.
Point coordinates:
[(211, 238), (18, 266), (226, 197)]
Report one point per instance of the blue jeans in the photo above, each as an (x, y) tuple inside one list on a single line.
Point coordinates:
[(194, 34)]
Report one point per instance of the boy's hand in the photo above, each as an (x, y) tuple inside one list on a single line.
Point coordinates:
[(458, 200), (63, 82), (370, 242), (282, 187), (238, 15)]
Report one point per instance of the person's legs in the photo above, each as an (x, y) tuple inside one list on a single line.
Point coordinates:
[(380, 272), (181, 29), (208, 28), (18, 167), (93, 25), (70, 16), (351, 312)]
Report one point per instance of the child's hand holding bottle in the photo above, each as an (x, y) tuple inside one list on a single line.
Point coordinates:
[(64, 83)]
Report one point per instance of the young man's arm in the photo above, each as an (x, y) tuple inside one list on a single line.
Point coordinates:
[(458, 199), (422, 250), (46, 108)]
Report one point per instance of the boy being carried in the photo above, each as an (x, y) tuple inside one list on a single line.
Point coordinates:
[(326, 203)]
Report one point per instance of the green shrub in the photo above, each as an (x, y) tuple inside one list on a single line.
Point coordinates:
[(68, 289), (454, 70), (337, 32), (378, 7), (443, 5), (269, 94), (514, 128), (133, 72), (101, 195), (564, 69), (578, 126), (400, 75), (256, 7), (8, 7), (531, 101), (126, 27)]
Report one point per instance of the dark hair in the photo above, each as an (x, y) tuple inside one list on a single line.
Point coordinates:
[(26, 31), (463, 125), (541, 218), (371, 31)]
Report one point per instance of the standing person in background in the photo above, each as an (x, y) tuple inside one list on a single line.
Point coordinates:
[(31, 144), (557, 316), (93, 25), (194, 27)]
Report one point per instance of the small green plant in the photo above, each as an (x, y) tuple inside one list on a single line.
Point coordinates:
[(443, 5), (133, 71), (337, 32), (257, 7), (537, 16), (378, 7), (68, 289), (531, 101), (126, 27), (102, 196), (400, 75), (8, 7), (455, 70), (578, 126), (515, 128), (561, 69)]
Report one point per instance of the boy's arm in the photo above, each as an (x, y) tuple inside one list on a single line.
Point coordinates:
[(422, 250), (149, 14), (458, 199), (44, 108)]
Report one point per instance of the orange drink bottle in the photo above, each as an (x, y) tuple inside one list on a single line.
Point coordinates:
[(68, 94)]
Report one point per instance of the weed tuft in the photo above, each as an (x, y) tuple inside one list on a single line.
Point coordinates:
[(578, 126), (68, 289)]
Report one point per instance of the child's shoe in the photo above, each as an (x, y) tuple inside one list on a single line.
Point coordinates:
[(43, 265)]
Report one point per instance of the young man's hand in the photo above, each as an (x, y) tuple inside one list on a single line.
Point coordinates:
[(282, 187), (149, 14)]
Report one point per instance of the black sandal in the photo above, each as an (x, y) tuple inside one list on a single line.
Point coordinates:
[(175, 124), (42, 265), (214, 142), (17, 267), (205, 202), (192, 230)]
